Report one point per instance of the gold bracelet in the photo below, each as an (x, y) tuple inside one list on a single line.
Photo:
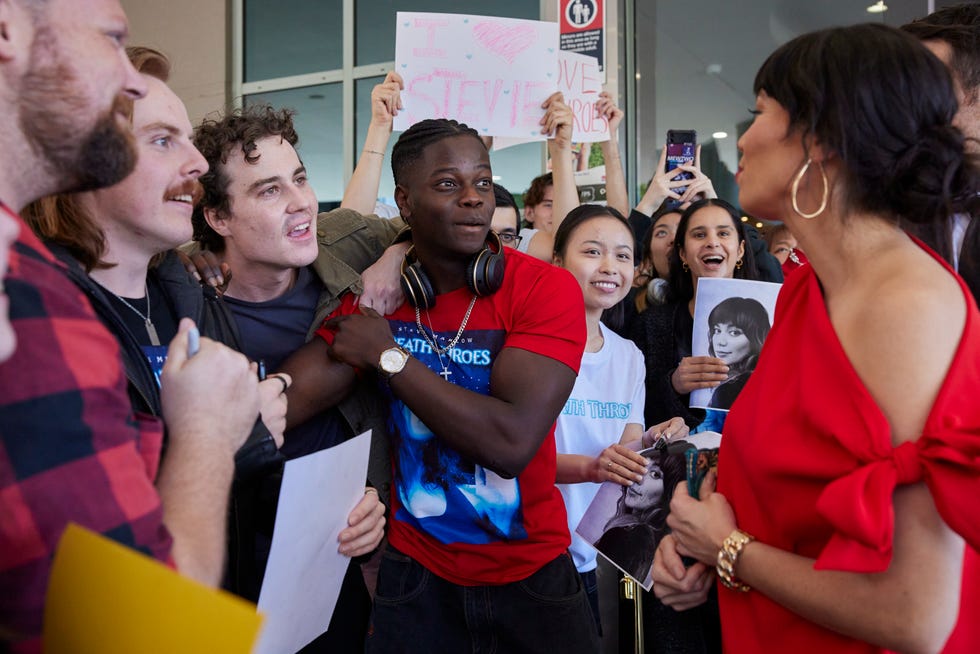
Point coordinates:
[(728, 555), (380, 154)]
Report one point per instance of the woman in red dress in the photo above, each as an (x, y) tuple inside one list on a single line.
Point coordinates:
[(846, 514)]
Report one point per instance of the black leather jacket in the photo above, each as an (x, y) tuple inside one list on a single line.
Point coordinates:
[(189, 298)]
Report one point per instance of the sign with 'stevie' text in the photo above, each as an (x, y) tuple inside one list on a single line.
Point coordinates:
[(491, 73), (583, 29)]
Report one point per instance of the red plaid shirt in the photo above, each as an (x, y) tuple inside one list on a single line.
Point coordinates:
[(71, 449)]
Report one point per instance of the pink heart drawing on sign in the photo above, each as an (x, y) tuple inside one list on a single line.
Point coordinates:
[(503, 40)]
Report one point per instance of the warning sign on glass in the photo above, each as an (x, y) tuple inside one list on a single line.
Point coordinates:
[(583, 29)]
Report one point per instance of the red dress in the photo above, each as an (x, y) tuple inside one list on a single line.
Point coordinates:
[(808, 466)]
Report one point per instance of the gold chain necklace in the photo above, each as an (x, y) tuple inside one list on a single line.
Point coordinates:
[(432, 341)]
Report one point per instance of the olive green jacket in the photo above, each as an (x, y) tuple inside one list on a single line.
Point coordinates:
[(350, 243)]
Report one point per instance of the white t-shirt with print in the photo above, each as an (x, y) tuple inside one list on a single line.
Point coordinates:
[(609, 394)]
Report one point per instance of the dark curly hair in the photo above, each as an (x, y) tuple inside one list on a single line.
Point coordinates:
[(879, 100), (751, 317), (216, 139)]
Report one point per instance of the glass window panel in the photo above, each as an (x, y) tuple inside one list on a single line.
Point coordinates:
[(319, 126), (689, 77), (514, 168), (375, 20), (292, 37)]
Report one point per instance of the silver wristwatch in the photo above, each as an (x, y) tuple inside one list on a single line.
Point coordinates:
[(392, 361)]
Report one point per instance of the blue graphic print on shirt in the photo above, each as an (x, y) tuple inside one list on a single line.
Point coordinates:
[(441, 493)]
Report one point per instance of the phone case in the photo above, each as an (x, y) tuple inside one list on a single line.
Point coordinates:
[(699, 462)]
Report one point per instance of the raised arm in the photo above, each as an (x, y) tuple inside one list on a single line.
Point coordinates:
[(557, 123), (617, 196), (361, 193)]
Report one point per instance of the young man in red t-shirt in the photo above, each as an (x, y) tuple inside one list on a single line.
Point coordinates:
[(474, 378)]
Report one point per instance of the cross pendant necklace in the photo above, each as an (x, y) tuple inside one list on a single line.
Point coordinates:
[(433, 341)]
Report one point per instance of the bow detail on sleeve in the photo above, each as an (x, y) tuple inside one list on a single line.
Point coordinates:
[(859, 505)]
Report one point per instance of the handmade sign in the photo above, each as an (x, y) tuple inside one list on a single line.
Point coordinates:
[(491, 73), (580, 81)]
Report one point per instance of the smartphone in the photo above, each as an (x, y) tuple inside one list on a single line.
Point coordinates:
[(681, 146)]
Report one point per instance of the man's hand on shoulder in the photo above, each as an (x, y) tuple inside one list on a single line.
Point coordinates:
[(382, 281)]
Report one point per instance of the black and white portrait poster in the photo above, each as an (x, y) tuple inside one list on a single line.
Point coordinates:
[(625, 523), (732, 318)]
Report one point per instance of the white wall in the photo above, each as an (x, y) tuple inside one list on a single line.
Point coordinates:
[(194, 34)]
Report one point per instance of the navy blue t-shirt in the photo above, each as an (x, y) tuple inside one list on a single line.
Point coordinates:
[(273, 330)]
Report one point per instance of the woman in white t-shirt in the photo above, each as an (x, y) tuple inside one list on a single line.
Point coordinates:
[(605, 409)]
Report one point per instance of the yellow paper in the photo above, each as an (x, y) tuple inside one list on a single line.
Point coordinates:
[(107, 599)]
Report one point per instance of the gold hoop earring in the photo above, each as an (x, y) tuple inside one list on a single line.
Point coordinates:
[(738, 265), (796, 187), (685, 267)]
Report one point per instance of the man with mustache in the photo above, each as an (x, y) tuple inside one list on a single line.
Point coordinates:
[(140, 288), (71, 448)]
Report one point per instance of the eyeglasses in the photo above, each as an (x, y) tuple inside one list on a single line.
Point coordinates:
[(510, 240)]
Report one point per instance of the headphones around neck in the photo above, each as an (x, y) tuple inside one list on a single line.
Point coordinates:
[(484, 274)]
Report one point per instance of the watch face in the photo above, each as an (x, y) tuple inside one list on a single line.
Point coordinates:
[(393, 360)]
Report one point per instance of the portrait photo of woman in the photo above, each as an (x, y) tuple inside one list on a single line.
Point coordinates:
[(629, 538), (737, 328), (732, 318)]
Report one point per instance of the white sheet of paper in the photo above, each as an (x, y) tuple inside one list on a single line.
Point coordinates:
[(305, 570), (488, 72)]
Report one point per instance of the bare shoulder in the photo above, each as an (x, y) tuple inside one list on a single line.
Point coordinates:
[(900, 328)]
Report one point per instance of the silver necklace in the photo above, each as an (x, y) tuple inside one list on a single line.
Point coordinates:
[(432, 341), (151, 331)]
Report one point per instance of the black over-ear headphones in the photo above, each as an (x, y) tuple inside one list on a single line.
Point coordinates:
[(484, 274)]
